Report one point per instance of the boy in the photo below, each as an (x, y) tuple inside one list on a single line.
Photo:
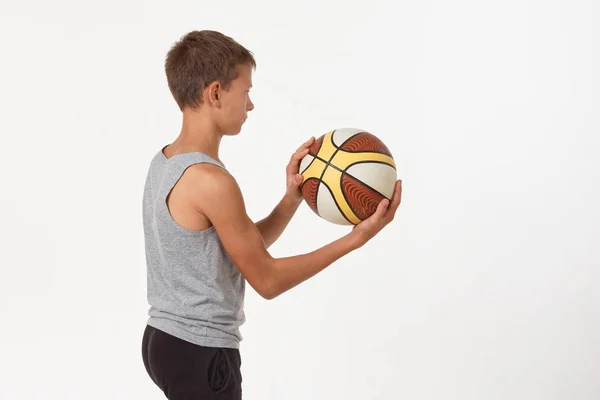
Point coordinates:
[(201, 246)]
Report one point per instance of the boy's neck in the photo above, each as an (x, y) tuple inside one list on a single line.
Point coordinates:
[(198, 133)]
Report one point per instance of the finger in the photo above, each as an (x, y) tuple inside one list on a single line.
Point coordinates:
[(298, 155), (307, 144), (294, 164), (302, 152), (397, 196), (296, 158), (381, 208), (395, 203)]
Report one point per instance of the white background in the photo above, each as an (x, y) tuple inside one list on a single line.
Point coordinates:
[(486, 286)]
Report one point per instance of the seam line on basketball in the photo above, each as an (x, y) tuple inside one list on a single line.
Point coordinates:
[(344, 171), (337, 205)]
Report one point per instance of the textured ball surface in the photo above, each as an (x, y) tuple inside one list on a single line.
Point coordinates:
[(347, 172)]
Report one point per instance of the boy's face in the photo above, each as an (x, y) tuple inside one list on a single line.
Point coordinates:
[(235, 102)]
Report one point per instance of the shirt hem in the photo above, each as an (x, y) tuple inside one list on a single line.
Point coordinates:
[(194, 339)]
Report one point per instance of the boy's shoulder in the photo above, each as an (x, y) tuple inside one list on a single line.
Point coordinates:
[(207, 177)]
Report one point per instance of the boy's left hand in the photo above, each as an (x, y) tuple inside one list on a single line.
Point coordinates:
[(294, 179)]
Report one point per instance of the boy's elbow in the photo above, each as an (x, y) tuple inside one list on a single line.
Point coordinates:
[(262, 279), (267, 296), (269, 291), (271, 287)]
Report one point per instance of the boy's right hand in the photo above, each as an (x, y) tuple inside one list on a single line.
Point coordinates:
[(386, 210)]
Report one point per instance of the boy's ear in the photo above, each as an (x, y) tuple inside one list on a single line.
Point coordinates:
[(214, 93)]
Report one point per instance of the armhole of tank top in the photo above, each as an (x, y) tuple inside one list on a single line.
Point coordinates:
[(166, 191)]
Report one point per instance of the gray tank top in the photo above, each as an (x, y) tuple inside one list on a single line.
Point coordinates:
[(195, 291)]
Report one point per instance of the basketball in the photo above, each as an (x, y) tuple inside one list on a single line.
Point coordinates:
[(347, 172)]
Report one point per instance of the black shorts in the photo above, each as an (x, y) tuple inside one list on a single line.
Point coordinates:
[(186, 371)]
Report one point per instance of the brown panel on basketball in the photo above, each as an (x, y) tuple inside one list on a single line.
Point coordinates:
[(316, 146), (362, 199), (310, 188), (365, 142)]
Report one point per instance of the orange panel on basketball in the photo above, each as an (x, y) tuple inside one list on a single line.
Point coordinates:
[(362, 199), (309, 191), (365, 141)]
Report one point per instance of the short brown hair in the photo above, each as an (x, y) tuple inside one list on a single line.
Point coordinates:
[(200, 58)]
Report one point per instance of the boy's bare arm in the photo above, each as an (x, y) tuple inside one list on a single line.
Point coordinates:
[(275, 223), (272, 226), (219, 198)]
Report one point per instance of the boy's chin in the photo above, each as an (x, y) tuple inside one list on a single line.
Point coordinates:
[(233, 132), (232, 128)]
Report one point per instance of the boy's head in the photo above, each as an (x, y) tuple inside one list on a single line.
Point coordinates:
[(206, 69)]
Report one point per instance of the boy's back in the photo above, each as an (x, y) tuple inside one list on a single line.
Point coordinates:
[(194, 290)]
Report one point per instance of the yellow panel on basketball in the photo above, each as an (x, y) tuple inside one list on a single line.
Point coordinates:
[(343, 160), (327, 207), (333, 179), (314, 169), (327, 148)]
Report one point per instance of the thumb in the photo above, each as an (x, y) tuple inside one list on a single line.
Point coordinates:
[(298, 179), (382, 208)]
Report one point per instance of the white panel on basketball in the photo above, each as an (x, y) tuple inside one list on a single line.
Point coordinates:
[(305, 162), (343, 134), (380, 177), (327, 207)]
